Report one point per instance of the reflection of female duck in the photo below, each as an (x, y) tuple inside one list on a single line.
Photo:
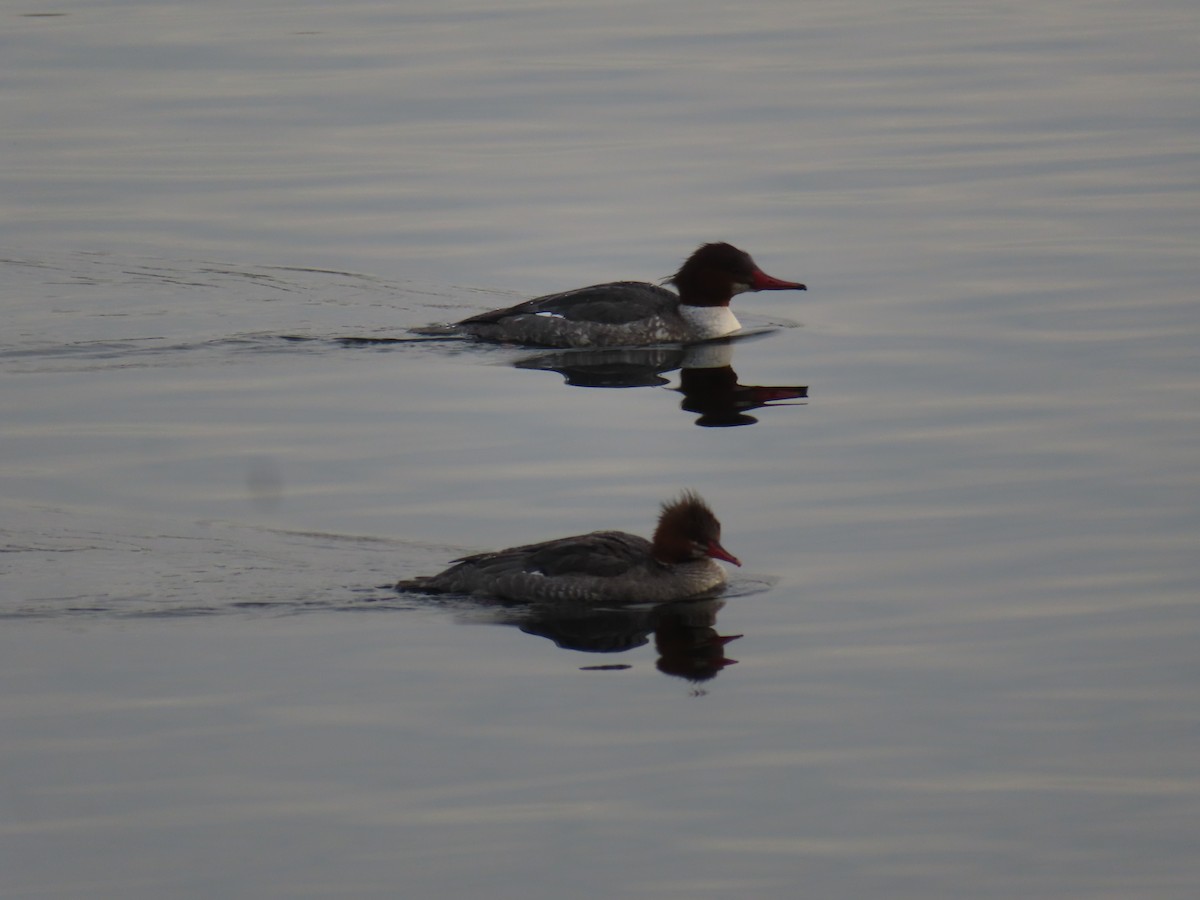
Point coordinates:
[(600, 567), (685, 633), (631, 313)]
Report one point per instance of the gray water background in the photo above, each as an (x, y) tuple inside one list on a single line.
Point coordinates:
[(968, 612)]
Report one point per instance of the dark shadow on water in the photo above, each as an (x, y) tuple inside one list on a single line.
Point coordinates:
[(684, 632), (707, 380), (708, 383)]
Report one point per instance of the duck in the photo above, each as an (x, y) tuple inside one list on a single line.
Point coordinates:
[(634, 313), (601, 567)]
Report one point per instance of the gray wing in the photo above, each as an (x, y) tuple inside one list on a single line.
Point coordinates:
[(600, 553), (610, 304)]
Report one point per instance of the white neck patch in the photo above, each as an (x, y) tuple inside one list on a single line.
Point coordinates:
[(710, 321)]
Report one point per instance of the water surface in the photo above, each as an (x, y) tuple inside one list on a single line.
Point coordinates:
[(960, 658)]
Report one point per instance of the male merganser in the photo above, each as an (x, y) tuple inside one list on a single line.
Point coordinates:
[(632, 313), (600, 567)]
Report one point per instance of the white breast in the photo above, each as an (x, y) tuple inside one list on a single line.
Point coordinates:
[(710, 321)]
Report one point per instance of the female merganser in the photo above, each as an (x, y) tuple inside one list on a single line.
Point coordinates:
[(601, 567), (632, 313)]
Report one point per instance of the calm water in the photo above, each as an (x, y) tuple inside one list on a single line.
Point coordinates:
[(965, 633)]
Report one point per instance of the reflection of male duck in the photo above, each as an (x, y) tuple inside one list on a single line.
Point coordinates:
[(710, 387), (631, 313), (706, 377), (614, 367), (600, 567)]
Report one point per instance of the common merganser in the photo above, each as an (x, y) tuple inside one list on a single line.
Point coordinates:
[(600, 567), (633, 313)]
